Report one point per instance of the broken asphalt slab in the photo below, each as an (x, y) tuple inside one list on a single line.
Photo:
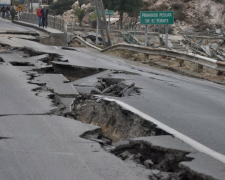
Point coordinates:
[(57, 83), (196, 109), (170, 151), (50, 147), (17, 96)]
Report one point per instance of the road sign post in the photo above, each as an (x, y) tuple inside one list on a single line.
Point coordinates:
[(167, 29), (109, 24), (97, 32), (146, 35), (157, 18), (107, 13)]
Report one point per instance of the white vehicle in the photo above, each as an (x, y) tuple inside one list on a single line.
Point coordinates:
[(5, 2)]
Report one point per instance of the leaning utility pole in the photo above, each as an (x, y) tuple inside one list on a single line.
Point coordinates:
[(101, 11)]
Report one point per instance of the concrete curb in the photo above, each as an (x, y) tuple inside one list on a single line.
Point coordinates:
[(31, 26), (34, 26)]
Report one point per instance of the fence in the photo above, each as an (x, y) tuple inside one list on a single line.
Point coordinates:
[(53, 22)]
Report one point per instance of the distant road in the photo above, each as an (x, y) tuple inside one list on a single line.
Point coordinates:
[(6, 25)]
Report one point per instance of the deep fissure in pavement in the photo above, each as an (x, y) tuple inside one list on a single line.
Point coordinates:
[(166, 161), (21, 63), (75, 72), (116, 123), (1, 60)]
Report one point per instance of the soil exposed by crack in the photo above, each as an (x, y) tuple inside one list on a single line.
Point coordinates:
[(116, 123), (165, 163)]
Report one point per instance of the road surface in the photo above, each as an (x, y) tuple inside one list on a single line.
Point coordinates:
[(192, 107)]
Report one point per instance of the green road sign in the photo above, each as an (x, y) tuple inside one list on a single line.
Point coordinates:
[(107, 12), (157, 17)]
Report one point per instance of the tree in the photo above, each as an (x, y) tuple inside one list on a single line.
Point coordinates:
[(80, 13), (81, 2), (132, 7), (17, 2), (60, 6)]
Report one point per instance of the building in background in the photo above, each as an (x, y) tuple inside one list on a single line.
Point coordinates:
[(5, 2)]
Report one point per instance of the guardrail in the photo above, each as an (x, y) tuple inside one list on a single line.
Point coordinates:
[(53, 22), (201, 60), (85, 43)]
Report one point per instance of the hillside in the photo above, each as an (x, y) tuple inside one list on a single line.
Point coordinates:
[(198, 14), (189, 14)]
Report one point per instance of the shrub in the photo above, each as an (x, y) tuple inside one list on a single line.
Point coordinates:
[(207, 13), (179, 15), (171, 30), (177, 6), (59, 7), (80, 13), (219, 1), (162, 7)]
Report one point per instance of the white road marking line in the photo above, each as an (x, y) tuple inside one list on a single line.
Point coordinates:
[(198, 146)]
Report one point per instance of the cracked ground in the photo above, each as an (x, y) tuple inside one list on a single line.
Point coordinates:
[(62, 117)]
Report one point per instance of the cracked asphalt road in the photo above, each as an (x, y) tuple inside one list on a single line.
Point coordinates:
[(42, 146), (8, 26)]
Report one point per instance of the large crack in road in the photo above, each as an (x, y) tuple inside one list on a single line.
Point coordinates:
[(79, 93)]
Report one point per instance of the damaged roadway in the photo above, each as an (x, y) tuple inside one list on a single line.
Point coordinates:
[(37, 144)]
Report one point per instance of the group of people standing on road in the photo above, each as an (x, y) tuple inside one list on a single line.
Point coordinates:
[(6, 11), (42, 14)]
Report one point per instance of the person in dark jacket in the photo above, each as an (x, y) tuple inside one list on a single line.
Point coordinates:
[(3, 10), (44, 13), (12, 13), (7, 11), (39, 17)]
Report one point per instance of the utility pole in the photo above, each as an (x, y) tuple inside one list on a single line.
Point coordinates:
[(104, 20), (32, 9), (97, 32), (102, 24)]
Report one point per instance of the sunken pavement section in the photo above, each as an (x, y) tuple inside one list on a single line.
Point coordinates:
[(60, 119)]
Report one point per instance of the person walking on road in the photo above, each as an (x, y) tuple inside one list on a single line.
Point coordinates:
[(3, 10), (7, 11), (12, 13), (44, 13), (39, 16)]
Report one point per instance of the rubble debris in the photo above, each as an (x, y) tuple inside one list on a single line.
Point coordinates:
[(116, 87), (163, 162)]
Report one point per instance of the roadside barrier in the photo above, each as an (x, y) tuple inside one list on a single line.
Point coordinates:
[(53, 21), (183, 56)]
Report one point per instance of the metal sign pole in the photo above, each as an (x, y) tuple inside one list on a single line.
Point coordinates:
[(32, 8), (97, 32), (146, 34), (109, 23), (167, 28)]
